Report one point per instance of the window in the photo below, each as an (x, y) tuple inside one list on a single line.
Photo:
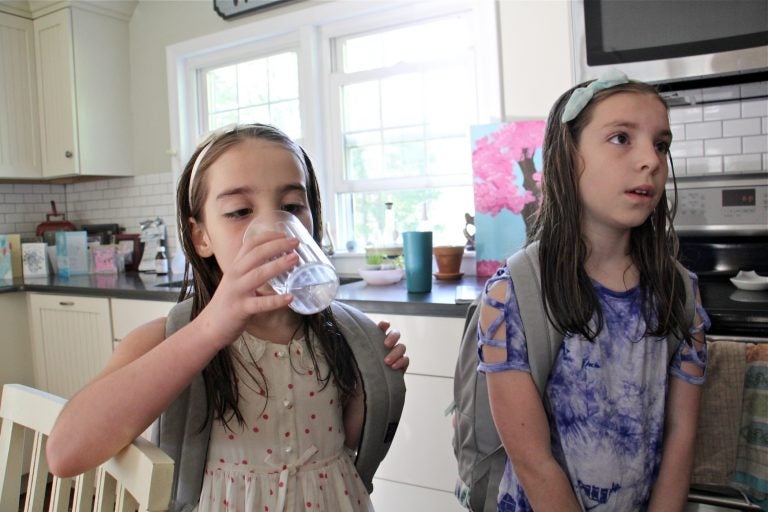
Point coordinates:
[(382, 96), (405, 97)]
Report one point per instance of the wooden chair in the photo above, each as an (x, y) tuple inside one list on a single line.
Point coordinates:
[(137, 478)]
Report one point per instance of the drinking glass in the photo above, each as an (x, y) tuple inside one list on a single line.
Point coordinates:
[(313, 282)]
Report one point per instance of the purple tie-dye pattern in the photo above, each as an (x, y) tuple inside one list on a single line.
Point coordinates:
[(604, 401)]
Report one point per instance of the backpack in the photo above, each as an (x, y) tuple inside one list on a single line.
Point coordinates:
[(184, 430), (476, 444)]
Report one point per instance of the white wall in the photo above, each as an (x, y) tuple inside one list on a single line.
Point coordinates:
[(535, 55)]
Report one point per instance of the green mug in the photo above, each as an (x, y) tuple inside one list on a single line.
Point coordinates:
[(417, 253)]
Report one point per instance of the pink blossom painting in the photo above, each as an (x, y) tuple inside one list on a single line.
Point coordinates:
[(506, 165)]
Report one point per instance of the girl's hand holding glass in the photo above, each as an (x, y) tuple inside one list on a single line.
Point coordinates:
[(313, 283)]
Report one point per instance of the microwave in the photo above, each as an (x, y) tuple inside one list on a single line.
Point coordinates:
[(669, 41)]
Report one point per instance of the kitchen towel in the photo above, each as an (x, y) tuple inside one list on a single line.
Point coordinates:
[(751, 474), (720, 413)]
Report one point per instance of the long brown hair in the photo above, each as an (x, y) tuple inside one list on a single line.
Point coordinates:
[(219, 375), (569, 296)]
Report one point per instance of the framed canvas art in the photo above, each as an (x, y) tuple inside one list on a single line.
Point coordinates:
[(506, 168)]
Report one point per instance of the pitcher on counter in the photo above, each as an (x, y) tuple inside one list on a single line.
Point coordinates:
[(267, 405), (615, 425)]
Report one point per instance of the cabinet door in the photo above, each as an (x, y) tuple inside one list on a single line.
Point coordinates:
[(19, 128), (128, 314), (71, 340), (55, 79)]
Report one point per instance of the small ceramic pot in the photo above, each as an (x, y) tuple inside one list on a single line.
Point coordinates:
[(448, 258)]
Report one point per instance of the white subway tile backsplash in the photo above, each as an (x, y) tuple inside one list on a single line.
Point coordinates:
[(749, 126), (722, 111), (754, 108), (680, 166), (725, 93), (754, 89), (765, 125), (756, 144), (680, 115), (687, 148), (742, 163), (731, 146), (704, 165), (708, 130), (678, 132)]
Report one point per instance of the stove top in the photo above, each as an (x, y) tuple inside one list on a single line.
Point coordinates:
[(734, 312)]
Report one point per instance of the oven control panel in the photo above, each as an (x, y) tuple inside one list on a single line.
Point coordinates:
[(724, 206)]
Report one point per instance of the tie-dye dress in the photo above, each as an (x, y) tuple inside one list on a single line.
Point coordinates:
[(604, 400)]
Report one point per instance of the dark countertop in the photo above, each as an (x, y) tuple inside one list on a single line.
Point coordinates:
[(391, 299)]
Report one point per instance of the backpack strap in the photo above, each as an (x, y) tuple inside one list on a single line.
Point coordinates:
[(690, 310), (184, 429), (543, 340), (384, 389)]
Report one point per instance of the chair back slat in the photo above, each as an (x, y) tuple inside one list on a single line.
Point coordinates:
[(61, 490), (84, 492), (38, 475), (11, 452), (138, 478)]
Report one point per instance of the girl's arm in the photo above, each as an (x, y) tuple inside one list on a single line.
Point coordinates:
[(519, 416), (670, 491), (354, 414), (145, 374)]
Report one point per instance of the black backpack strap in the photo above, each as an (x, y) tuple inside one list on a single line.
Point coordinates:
[(543, 340), (384, 389)]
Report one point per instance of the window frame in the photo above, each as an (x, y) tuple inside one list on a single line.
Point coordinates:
[(311, 30)]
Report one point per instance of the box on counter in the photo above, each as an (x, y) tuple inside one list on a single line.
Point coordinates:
[(72, 253), (10, 256)]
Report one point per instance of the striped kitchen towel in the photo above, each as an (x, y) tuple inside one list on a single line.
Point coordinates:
[(751, 472)]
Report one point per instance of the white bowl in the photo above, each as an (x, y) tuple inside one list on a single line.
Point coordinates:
[(750, 280), (382, 277)]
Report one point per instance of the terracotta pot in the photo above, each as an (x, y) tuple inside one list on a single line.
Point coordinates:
[(448, 258)]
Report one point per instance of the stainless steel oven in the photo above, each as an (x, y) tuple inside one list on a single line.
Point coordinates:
[(723, 228)]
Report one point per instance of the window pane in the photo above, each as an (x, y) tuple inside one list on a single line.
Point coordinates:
[(444, 208), (364, 162), (448, 156), (402, 100), (253, 83), (283, 77), (263, 90), (222, 91), (360, 104)]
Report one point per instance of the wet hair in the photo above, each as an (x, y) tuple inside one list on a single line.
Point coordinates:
[(201, 283), (569, 296)]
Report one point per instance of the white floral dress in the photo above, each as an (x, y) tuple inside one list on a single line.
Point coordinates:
[(289, 455)]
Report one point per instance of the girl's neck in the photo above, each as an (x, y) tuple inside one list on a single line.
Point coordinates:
[(609, 262), (279, 326)]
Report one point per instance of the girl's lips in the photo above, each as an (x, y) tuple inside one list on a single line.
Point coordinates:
[(643, 193)]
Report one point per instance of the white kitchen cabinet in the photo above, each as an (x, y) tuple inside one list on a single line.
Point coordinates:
[(71, 340), (128, 314), (15, 351), (419, 472), (19, 123), (82, 64)]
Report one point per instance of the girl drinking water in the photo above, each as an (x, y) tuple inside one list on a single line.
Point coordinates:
[(282, 403)]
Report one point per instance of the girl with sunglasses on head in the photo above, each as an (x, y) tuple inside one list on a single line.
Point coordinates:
[(279, 404)]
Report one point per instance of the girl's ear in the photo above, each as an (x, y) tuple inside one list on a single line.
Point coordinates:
[(200, 239)]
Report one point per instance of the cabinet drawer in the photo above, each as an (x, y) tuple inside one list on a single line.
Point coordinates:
[(128, 314), (431, 342)]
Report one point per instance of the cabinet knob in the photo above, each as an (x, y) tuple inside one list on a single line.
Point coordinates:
[(68, 154)]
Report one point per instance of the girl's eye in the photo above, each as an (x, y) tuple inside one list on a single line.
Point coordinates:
[(293, 208), (619, 138), (663, 146), (238, 214)]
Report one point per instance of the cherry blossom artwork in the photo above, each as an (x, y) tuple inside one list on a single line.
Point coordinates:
[(506, 165)]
